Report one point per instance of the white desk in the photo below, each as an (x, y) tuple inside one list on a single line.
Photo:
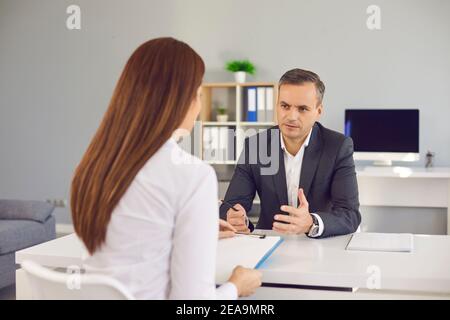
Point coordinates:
[(266, 293), (303, 261), (405, 187), (325, 262)]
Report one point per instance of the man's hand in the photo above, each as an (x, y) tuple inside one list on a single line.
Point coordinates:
[(226, 230), (238, 218), (299, 219)]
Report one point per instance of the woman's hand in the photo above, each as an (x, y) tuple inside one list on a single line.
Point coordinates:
[(226, 230), (246, 280)]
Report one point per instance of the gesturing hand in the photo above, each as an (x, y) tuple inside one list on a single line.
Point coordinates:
[(299, 219)]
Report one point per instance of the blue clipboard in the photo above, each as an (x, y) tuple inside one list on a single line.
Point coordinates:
[(267, 255)]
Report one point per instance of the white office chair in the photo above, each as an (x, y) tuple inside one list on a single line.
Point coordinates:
[(47, 284)]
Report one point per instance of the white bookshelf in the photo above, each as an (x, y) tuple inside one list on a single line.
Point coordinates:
[(221, 162), (257, 124), (230, 94), (216, 123)]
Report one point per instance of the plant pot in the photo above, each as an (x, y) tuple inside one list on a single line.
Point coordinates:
[(240, 76), (222, 118)]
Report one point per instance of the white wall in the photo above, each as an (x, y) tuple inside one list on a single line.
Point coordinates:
[(55, 84)]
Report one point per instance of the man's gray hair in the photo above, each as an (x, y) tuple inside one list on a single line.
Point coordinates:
[(299, 77)]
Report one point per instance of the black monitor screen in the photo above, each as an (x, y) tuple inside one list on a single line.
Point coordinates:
[(383, 130)]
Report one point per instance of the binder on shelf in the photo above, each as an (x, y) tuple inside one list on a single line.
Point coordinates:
[(223, 143), (210, 143), (207, 143), (231, 146), (269, 104), (255, 104), (219, 143), (251, 104), (215, 143), (261, 103)]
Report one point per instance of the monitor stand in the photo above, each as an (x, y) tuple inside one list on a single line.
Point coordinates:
[(382, 163)]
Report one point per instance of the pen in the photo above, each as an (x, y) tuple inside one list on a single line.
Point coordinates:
[(260, 236)]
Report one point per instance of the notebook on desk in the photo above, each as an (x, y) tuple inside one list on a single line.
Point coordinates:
[(243, 250), (386, 242)]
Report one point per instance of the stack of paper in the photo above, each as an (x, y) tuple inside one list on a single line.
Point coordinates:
[(388, 242), (243, 250)]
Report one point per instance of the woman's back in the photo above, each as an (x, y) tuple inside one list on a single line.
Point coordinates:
[(146, 210), (167, 214)]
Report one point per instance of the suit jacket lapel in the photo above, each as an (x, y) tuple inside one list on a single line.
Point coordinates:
[(279, 179), (311, 160)]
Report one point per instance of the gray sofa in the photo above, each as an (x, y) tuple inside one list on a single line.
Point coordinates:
[(22, 224)]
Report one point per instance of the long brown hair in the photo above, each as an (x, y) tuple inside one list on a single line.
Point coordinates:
[(150, 101)]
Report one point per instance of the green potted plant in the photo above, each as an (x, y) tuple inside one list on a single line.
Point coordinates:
[(222, 115), (240, 69)]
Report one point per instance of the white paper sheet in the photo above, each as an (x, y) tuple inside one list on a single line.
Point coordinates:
[(246, 251), (388, 242)]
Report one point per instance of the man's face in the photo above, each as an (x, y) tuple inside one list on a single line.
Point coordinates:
[(297, 109)]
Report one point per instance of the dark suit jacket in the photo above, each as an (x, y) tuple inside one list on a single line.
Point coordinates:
[(328, 178)]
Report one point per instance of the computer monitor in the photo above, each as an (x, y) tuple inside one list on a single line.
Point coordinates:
[(383, 135)]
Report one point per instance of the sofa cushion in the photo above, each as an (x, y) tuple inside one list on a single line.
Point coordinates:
[(7, 270), (7, 264), (25, 210), (19, 234)]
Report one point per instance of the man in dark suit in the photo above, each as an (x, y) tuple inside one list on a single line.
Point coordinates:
[(308, 185)]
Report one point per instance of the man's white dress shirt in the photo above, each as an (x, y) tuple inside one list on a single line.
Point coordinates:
[(293, 168), (162, 238)]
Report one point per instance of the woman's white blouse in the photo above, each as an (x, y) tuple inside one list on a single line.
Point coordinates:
[(162, 237)]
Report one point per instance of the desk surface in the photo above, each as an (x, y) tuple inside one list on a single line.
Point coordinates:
[(403, 172), (316, 262), (325, 262)]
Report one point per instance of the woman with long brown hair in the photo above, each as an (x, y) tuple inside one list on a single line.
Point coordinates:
[(146, 219)]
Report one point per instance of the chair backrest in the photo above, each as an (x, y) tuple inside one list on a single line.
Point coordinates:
[(47, 284)]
